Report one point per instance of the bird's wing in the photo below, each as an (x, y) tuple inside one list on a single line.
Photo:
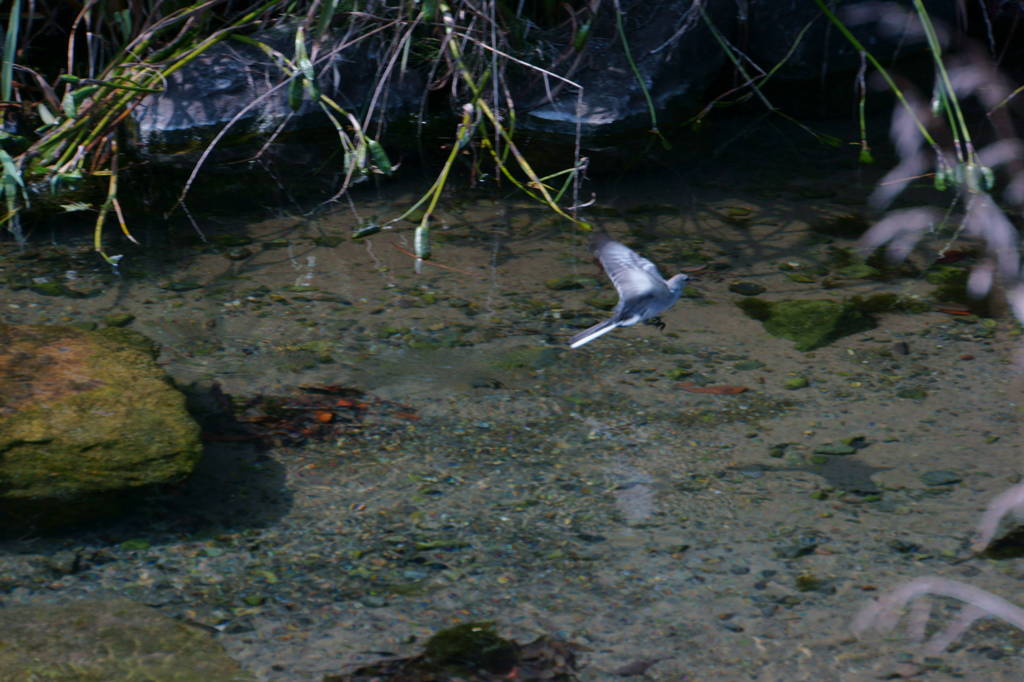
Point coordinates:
[(632, 274)]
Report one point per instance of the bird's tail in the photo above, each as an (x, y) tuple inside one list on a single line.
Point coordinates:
[(588, 335)]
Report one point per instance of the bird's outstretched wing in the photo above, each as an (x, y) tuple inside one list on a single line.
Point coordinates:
[(632, 274)]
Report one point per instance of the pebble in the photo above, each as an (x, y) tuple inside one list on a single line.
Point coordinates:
[(746, 288), (940, 477)]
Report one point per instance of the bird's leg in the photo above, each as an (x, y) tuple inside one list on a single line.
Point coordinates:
[(656, 322)]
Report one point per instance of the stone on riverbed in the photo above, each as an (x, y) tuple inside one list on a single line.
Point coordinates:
[(108, 640), (810, 323), (85, 417)]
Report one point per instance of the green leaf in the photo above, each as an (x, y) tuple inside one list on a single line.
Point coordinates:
[(45, 115), (579, 41), (73, 99), (123, 19), (10, 50), (11, 172), (380, 157), (312, 89), (366, 230), (327, 10), (295, 91)]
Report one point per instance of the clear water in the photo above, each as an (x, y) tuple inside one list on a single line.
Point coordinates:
[(583, 494)]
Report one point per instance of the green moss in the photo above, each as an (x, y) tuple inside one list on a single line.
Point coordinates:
[(473, 646), (54, 289), (109, 639), (810, 323), (795, 383), (131, 338), (858, 271), (950, 283), (111, 422), (118, 320), (757, 308)]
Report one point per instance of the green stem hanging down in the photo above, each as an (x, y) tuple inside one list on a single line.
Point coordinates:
[(480, 104), (878, 67), (639, 78)]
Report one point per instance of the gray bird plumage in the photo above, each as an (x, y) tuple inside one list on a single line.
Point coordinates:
[(643, 292)]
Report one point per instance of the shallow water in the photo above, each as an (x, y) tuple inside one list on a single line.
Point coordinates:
[(584, 494)]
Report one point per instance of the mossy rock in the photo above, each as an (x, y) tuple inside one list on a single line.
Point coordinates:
[(101, 640), (85, 418), (810, 323), (950, 283), (472, 646), (858, 271)]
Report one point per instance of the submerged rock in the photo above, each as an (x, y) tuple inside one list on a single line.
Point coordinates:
[(84, 418), (810, 323), (474, 652), (108, 640)]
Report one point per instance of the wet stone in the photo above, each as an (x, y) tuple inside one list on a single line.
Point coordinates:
[(329, 241), (810, 323), (238, 253), (835, 449), (912, 394), (55, 289), (118, 320), (570, 282), (940, 477), (746, 288)]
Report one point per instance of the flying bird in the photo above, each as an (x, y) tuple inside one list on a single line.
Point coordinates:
[(643, 292)]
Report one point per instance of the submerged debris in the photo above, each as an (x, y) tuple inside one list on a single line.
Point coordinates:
[(473, 652), (318, 413)]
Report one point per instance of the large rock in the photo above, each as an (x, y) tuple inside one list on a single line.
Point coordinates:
[(108, 640), (676, 56), (237, 83), (810, 323), (84, 418)]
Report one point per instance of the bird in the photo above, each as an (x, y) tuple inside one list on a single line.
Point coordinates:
[(643, 292)]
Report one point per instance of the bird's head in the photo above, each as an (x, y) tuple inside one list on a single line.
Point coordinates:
[(677, 283)]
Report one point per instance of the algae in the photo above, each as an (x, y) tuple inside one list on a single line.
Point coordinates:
[(810, 323)]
